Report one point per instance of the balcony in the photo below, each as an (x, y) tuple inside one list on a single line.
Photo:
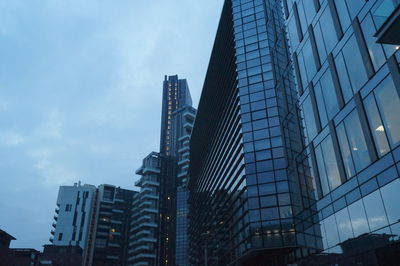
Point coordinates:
[(57, 210), (386, 16), (51, 239), (52, 232), (55, 217), (54, 225)]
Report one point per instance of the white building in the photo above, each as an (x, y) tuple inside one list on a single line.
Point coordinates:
[(72, 217)]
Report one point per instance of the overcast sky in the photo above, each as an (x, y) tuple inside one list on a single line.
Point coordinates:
[(80, 94)]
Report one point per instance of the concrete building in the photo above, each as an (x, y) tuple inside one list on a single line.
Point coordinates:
[(72, 215)]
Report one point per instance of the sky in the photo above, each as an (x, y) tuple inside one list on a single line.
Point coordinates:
[(80, 94)]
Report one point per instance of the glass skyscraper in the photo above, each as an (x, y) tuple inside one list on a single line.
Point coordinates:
[(295, 150)]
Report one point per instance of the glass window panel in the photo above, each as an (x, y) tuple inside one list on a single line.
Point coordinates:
[(376, 125), (320, 43), (328, 91), (321, 170), (331, 163), (343, 78), (269, 213), (375, 211), (309, 60), (390, 195), (358, 218), (344, 225), (354, 7), (358, 146), (343, 14), (321, 105), (344, 147), (332, 236), (389, 105), (375, 49), (303, 72), (354, 64), (328, 30), (309, 119)]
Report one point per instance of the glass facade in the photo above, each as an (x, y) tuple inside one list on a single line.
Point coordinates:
[(295, 158), (348, 86)]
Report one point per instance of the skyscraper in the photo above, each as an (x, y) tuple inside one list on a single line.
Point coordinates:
[(176, 94), (154, 225), (283, 166)]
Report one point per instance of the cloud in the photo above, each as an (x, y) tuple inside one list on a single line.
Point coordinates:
[(81, 85), (11, 138)]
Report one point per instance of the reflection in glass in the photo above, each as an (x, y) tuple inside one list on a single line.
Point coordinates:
[(332, 236), (344, 225), (377, 128), (346, 154), (389, 105), (358, 146), (331, 163), (358, 218), (354, 64), (390, 195), (375, 211)]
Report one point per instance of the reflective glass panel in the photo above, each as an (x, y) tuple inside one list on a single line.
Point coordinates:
[(389, 105), (390, 195), (344, 225), (375, 211), (358, 218), (376, 125)]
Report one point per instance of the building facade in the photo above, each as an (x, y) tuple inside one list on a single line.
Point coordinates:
[(182, 130), (72, 215), (155, 234), (294, 151), (108, 239), (348, 85)]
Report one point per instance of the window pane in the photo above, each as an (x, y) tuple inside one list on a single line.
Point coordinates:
[(375, 211), (332, 236), (357, 142), (321, 105), (328, 31), (309, 60), (390, 195), (328, 91), (343, 78), (375, 49), (377, 128), (354, 64), (344, 147), (358, 218), (321, 170), (344, 225), (309, 119), (330, 163), (389, 105)]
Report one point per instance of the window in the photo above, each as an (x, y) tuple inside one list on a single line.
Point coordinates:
[(326, 98), (375, 49), (60, 236), (68, 207), (354, 65), (388, 102), (390, 195), (375, 211), (327, 166), (309, 119), (358, 218), (352, 144)]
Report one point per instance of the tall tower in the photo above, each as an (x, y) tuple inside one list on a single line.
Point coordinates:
[(176, 94)]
